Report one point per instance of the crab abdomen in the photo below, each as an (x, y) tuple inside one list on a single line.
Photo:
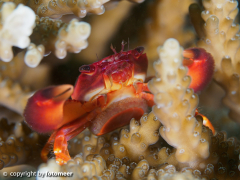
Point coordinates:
[(118, 115), (121, 106)]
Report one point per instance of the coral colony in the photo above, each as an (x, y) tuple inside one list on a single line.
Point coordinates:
[(165, 108)]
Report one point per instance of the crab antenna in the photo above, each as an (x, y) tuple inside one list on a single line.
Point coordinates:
[(113, 49), (128, 43), (123, 44)]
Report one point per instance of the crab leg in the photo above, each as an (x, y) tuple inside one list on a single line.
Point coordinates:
[(206, 122), (48, 110), (140, 88), (64, 134), (148, 97), (60, 148), (47, 147), (145, 87), (69, 131), (77, 126)]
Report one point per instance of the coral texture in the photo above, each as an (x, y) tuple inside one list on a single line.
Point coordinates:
[(159, 29), (13, 96), (176, 105), (169, 141), (48, 35), (220, 36), (57, 8), (19, 145), (17, 25)]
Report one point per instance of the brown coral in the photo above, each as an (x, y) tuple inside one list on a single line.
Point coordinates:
[(222, 163), (175, 106), (60, 36), (220, 37), (19, 145), (57, 8), (122, 145), (13, 96), (137, 151), (158, 28)]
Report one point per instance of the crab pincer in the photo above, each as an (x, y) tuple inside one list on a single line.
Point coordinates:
[(50, 111), (44, 110), (201, 67)]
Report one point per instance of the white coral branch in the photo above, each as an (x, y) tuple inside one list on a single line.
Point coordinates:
[(16, 27), (72, 38)]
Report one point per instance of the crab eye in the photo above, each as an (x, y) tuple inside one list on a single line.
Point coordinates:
[(139, 49), (87, 69), (84, 68)]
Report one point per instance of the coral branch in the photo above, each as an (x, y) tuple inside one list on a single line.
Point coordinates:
[(18, 145), (48, 35), (221, 39), (175, 106), (13, 96), (57, 8), (34, 55), (72, 38), (16, 27), (32, 29), (160, 28), (155, 161), (58, 37), (92, 167), (136, 141)]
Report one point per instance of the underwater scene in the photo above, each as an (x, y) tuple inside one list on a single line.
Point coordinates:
[(119, 89)]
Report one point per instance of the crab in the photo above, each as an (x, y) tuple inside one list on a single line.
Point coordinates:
[(107, 95)]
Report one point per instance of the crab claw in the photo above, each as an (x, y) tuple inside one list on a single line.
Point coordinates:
[(206, 122), (201, 67), (44, 110)]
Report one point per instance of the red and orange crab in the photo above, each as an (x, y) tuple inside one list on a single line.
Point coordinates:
[(107, 95)]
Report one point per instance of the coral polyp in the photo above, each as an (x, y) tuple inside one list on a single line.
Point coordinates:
[(164, 105)]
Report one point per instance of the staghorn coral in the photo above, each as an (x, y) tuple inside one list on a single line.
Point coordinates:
[(57, 37), (18, 71), (158, 29), (111, 20), (13, 96), (21, 17), (61, 37), (135, 138), (18, 145), (220, 36), (57, 8), (72, 38), (34, 55), (222, 162), (121, 145), (137, 151), (175, 106), (93, 167)]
